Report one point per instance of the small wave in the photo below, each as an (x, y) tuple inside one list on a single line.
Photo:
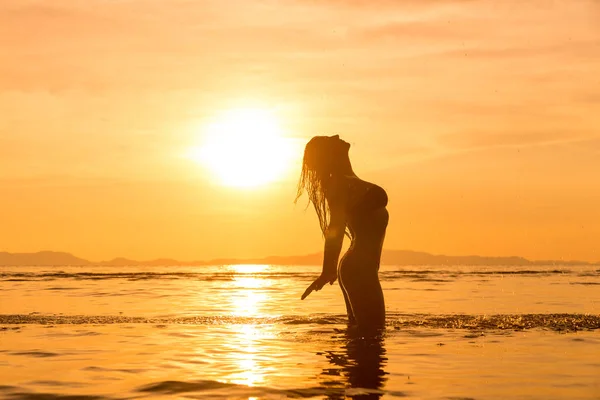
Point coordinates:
[(162, 322), (204, 388), (124, 370), (38, 354), (237, 390), (57, 383), (433, 280), (142, 276), (416, 274), (16, 393), (556, 322), (214, 389)]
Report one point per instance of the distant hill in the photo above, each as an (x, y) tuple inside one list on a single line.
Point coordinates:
[(161, 262), (389, 257), (408, 257), (42, 258), (421, 258)]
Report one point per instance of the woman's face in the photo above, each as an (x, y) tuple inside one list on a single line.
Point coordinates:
[(338, 144)]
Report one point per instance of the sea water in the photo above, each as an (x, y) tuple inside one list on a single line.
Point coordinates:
[(241, 331)]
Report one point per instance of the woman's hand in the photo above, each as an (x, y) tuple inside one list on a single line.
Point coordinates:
[(320, 282)]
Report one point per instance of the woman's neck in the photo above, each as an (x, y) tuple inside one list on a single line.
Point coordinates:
[(344, 168)]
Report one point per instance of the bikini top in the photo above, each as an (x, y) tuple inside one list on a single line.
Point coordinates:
[(375, 197)]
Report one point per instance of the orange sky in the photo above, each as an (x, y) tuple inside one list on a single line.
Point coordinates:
[(480, 118)]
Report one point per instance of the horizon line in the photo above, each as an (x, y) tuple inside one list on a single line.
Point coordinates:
[(316, 253)]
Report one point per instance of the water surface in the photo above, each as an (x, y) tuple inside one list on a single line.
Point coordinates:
[(242, 332)]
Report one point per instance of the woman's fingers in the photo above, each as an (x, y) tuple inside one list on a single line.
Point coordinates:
[(316, 285), (307, 291)]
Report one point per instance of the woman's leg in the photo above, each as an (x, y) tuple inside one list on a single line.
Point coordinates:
[(351, 318), (363, 292)]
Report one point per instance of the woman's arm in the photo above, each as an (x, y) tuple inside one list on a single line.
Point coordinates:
[(334, 238)]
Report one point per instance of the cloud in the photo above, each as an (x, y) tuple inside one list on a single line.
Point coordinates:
[(378, 4), (485, 140), (567, 50), (591, 144), (96, 45)]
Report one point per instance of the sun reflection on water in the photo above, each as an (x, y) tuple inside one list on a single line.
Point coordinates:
[(248, 268), (247, 291), (248, 296), (250, 372)]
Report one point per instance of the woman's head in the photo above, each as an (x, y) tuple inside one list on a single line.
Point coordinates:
[(324, 157)]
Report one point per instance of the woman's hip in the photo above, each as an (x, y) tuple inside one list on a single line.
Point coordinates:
[(355, 266)]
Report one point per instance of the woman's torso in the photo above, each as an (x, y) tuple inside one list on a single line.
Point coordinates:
[(367, 218)]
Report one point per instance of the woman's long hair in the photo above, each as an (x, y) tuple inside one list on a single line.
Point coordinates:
[(316, 171), (312, 182)]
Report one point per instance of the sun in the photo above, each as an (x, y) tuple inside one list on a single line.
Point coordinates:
[(245, 148)]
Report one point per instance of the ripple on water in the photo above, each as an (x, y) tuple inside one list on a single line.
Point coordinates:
[(237, 390), (38, 354), (16, 393), (93, 368), (556, 322)]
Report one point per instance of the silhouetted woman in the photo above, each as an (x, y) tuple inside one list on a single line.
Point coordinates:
[(347, 205)]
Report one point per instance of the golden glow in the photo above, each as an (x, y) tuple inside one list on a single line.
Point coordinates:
[(245, 148), (512, 150), (249, 268), (246, 358), (252, 368), (248, 304), (247, 296)]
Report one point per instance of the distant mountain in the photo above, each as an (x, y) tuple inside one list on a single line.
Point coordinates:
[(407, 257), (161, 262), (43, 258), (389, 257)]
